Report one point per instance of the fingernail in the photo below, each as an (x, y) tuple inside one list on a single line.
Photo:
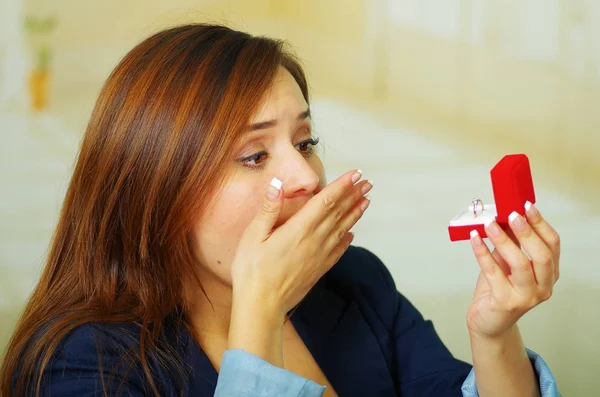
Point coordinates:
[(530, 208), (365, 204), (367, 186), (356, 176), (274, 188), (475, 237), (516, 220), (276, 183), (492, 228)]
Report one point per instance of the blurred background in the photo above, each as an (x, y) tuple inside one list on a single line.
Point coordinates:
[(424, 95)]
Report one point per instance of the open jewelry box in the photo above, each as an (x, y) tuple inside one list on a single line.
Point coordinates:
[(513, 187)]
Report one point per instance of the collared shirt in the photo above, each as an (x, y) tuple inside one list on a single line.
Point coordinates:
[(244, 374), (366, 337)]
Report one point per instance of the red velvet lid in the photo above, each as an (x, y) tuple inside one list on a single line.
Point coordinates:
[(513, 185)]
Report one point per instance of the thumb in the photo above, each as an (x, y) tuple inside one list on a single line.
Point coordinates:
[(269, 212)]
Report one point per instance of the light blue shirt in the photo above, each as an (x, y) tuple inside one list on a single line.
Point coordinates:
[(367, 338), (244, 374)]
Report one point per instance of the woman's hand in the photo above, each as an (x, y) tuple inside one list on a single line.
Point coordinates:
[(274, 269), (511, 281), (282, 265)]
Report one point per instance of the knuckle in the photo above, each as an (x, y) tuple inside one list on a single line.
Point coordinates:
[(522, 264), (532, 302), (358, 194), (491, 269), (527, 231), (328, 202), (302, 240), (355, 215), (481, 252), (338, 212), (554, 239), (536, 221), (545, 294), (269, 208), (502, 239)]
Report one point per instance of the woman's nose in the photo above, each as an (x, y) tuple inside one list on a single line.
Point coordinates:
[(299, 177)]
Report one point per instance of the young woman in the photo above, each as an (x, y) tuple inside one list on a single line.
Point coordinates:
[(200, 252)]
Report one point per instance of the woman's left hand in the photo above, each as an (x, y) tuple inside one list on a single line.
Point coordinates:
[(512, 282)]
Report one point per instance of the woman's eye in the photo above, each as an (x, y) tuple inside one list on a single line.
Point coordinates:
[(255, 160), (306, 146)]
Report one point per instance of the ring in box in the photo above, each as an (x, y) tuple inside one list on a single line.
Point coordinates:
[(513, 187)]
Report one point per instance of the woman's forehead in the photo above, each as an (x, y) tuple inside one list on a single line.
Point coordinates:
[(284, 99)]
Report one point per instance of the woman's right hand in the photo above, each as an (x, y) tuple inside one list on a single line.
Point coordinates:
[(273, 270), (285, 263)]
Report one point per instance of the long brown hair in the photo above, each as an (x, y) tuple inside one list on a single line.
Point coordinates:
[(154, 151)]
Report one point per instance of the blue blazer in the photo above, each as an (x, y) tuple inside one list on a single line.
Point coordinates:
[(368, 339)]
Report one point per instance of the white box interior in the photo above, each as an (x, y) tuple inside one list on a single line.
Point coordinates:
[(467, 217)]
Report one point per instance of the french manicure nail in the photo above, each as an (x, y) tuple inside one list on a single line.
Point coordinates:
[(492, 228), (274, 189), (356, 176), (516, 220), (276, 183), (475, 237), (365, 204), (530, 208), (367, 187)]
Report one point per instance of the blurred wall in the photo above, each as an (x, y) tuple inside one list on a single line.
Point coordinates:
[(486, 77), (13, 58), (502, 74)]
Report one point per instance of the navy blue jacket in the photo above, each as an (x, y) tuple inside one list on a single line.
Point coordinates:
[(367, 338)]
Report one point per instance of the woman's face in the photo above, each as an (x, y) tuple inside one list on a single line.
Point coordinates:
[(277, 144)]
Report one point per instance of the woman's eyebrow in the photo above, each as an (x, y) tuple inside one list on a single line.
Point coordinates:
[(261, 125)]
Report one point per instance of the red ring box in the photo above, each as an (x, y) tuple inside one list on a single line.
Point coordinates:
[(513, 187)]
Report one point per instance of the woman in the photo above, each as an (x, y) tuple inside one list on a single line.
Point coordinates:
[(196, 246)]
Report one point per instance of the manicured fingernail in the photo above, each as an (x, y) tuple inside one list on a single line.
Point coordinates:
[(516, 220), (530, 208), (475, 239), (276, 183), (367, 186), (356, 176), (365, 204), (274, 188), (492, 228)]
